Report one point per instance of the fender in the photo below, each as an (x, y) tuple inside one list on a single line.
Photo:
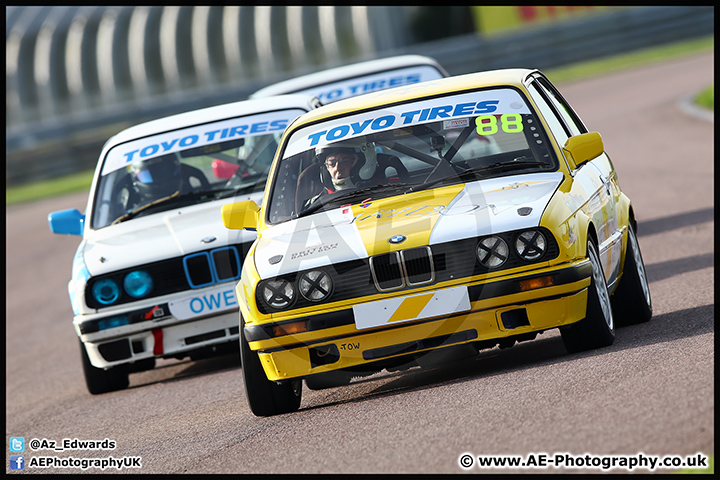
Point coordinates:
[(245, 288), (586, 230)]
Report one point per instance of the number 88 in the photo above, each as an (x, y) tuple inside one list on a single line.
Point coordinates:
[(510, 123)]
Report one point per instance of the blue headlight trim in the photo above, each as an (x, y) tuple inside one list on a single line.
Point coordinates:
[(138, 284), (106, 291)]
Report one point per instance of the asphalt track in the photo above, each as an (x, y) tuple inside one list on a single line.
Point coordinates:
[(651, 392)]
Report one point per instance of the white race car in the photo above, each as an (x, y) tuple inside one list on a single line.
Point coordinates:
[(154, 275), (350, 80)]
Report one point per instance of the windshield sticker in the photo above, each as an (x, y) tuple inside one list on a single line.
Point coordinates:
[(459, 123), (487, 104), (333, 92), (146, 148)]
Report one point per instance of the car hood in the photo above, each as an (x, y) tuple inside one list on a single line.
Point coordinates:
[(427, 217), (159, 236)]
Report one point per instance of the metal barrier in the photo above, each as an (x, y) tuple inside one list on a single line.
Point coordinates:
[(77, 75)]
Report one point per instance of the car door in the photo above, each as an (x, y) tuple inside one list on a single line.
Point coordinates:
[(596, 178)]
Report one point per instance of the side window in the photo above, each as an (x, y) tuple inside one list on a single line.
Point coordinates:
[(570, 118), (556, 126)]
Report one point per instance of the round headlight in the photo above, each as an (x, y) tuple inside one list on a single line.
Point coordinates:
[(492, 251), (138, 283), (278, 293), (106, 291), (315, 285), (531, 245)]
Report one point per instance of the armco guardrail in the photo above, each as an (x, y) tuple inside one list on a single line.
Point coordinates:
[(70, 143)]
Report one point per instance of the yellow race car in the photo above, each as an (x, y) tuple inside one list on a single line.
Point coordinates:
[(427, 222)]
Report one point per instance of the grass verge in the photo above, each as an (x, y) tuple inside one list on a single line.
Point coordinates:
[(710, 469), (706, 98)]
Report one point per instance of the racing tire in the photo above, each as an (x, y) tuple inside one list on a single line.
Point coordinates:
[(99, 380), (631, 302), (322, 381), (597, 329), (266, 398)]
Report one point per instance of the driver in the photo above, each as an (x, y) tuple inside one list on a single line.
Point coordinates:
[(338, 165), (347, 166), (156, 178), (342, 168)]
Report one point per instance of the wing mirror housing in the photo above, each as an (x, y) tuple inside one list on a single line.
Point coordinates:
[(67, 222), (241, 215), (583, 148)]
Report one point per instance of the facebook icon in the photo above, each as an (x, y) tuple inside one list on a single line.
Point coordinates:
[(17, 462)]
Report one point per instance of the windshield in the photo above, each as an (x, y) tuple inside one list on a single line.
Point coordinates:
[(357, 85), (408, 147), (188, 166)]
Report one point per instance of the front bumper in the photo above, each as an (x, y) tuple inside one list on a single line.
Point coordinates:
[(160, 330), (164, 342), (498, 309)]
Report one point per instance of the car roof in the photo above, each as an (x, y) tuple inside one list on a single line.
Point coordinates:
[(506, 77), (348, 72), (212, 114)]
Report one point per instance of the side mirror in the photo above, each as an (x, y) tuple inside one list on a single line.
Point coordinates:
[(67, 222), (582, 148), (240, 215)]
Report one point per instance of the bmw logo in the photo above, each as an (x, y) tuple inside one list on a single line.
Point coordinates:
[(395, 239)]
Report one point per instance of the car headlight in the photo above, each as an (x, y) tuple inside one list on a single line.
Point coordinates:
[(315, 285), (106, 291), (530, 245), (278, 293), (138, 283), (492, 251)]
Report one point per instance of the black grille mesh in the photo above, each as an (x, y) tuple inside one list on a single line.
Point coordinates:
[(387, 271)]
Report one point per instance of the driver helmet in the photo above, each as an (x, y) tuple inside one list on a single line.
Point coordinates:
[(157, 177), (363, 167)]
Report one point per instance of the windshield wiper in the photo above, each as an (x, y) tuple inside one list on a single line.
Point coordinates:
[(500, 167), (142, 208), (160, 201), (229, 192), (335, 197)]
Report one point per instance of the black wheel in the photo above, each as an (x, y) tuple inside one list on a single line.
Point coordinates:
[(597, 329), (99, 380), (631, 302), (266, 398), (328, 380)]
